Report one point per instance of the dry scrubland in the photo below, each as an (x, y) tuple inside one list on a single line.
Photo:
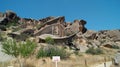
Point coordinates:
[(81, 60)]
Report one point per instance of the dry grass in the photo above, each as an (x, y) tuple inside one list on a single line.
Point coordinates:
[(4, 64), (73, 61)]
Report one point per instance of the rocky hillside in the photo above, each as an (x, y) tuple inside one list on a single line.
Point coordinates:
[(105, 38), (74, 37), (73, 34)]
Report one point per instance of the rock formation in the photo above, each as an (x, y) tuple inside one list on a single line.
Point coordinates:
[(70, 33), (105, 38)]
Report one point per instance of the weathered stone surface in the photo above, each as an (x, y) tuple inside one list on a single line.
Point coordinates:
[(106, 38), (82, 27), (57, 26), (75, 26), (82, 48), (8, 18), (46, 19), (90, 34), (28, 32), (11, 15), (78, 26)]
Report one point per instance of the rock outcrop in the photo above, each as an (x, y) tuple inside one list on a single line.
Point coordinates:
[(76, 26), (7, 17), (105, 38), (71, 33)]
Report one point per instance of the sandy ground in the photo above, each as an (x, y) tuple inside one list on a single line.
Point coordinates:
[(4, 57), (108, 64)]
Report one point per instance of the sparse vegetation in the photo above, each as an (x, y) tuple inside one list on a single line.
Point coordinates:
[(94, 51), (4, 64), (25, 49), (52, 51), (10, 47), (22, 37), (22, 50), (12, 23), (77, 53), (16, 29), (49, 40), (2, 27), (39, 26), (115, 47), (1, 37)]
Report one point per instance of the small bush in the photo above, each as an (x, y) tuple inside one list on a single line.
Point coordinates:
[(16, 29), (10, 47), (22, 37), (115, 47), (41, 53), (1, 37), (52, 51), (49, 40), (27, 48), (93, 51), (12, 23), (77, 53)]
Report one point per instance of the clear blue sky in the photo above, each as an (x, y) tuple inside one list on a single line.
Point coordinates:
[(99, 14)]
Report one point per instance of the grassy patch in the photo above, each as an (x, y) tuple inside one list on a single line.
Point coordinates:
[(94, 51), (49, 40), (115, 47), (4, 64), (52, 51)]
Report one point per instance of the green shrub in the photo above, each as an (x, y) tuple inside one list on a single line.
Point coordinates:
[(1, 37), (26, 49), (22, 50), (12, 23), (115, 47), (93, 51), (41, 53), (10, 47), (49, 40), (52, 51), (77, 53)]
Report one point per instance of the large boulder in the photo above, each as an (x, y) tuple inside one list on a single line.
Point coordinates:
[(8, 17), (82, 27), (11, 15), (78, 26), (75, 26)]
